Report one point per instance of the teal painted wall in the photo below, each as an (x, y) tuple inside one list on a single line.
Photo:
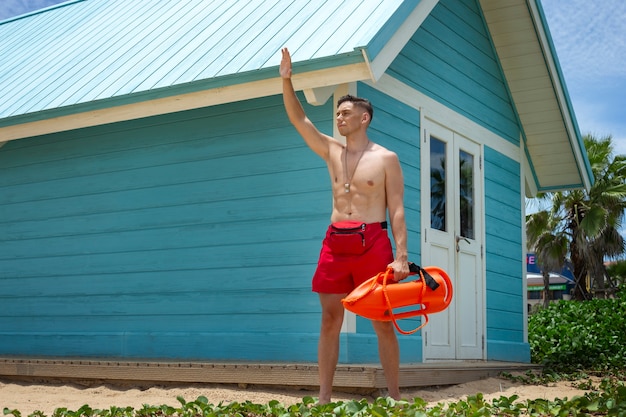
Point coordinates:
[(195, 235), (191, 235), (451, 59), (503, 249)]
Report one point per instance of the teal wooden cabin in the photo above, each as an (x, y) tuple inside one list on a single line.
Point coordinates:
[(156, 203)]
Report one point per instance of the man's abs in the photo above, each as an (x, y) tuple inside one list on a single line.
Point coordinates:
[(368, 209)]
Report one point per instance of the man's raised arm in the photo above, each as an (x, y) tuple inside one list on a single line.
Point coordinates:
[(315, 139)]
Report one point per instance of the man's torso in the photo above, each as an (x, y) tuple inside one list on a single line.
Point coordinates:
[(364, 198)]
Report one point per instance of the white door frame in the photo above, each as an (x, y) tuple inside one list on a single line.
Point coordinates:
[(458, 332)]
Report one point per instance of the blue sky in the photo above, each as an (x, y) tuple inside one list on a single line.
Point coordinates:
[(590, 41)]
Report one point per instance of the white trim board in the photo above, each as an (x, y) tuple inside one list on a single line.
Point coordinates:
[(216, 96), (400, 38), (437, 112)]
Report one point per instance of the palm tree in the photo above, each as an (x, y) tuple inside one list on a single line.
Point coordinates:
[(617, 271), (587, 221), (609, 195), (438, 194), (549, 244)]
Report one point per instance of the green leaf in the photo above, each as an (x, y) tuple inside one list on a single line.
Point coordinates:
[(378, 411), (7, 411)]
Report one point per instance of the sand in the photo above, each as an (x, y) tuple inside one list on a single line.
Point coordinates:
[(28, 397)]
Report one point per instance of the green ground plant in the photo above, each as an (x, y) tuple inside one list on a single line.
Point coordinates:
[(609, 400)]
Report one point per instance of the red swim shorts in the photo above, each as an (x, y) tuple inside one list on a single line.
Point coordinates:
[(352, 252)]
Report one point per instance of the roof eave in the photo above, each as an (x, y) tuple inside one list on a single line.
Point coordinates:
[(563, 94), (312, 74), (552, 143)]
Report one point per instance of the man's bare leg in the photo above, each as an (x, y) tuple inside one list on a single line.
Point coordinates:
[(389, 353), (328, 346)]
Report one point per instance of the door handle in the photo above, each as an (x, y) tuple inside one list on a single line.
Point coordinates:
[(458, 239)]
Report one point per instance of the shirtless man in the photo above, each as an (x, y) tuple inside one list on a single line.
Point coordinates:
[(367, 183)]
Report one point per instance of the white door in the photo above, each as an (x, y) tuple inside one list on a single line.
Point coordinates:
[(453, 240)]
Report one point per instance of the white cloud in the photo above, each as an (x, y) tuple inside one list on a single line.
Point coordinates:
[(590, 36), (590, 41)]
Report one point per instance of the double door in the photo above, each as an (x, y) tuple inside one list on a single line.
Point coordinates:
[(452, 219)]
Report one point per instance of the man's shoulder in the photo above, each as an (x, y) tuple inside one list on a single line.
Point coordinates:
[(382, 150)]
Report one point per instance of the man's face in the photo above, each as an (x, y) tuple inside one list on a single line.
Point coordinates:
[(350, 118)]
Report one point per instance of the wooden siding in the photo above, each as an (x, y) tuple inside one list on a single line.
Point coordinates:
[(451, 59), (154, 238), (503, 251), (192, 235)]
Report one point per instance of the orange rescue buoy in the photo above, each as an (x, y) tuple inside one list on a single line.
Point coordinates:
[(377, 297)]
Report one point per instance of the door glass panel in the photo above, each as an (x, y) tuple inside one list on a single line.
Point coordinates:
[(437, 184), (466, 190)]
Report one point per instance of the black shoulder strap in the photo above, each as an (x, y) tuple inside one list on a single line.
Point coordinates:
[(428, 279)]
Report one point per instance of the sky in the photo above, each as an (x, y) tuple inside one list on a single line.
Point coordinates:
[(590, 41)]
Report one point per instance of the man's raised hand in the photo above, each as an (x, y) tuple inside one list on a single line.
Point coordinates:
[(285, 64)]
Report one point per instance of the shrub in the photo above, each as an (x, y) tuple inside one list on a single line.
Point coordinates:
[(573, 335)]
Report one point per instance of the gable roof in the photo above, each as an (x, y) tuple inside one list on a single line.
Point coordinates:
[(554, 146), (110, 52), (89, 62)]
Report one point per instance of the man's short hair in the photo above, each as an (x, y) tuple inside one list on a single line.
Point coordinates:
[(363, 103)]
